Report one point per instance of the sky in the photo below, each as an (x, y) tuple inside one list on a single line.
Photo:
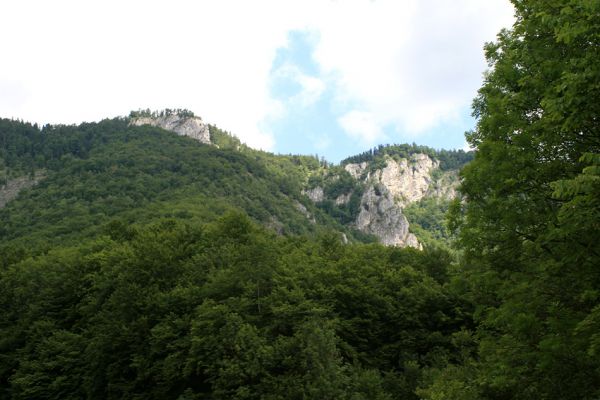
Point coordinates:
[(326, 77)]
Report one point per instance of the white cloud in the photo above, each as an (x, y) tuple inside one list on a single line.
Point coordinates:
[(410, 63), (362, 126), (311, 87), (321, 142)]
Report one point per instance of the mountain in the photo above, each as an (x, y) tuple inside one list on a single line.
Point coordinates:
[(376, 193), (381, 195), (77, 179)]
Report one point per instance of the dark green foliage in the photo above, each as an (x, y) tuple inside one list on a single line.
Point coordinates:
[(181, 112), (19, 154), (427, 219), (343, 184), (102, 171), (228, 310), (529, 224), (344, 213)]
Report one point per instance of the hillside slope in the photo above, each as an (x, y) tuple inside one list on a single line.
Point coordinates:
[(78, 179), (100, 172), (397, 193)]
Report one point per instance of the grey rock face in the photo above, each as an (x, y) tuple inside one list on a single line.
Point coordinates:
[(343, 199), (300, 207), (382, 217), (407, 180), (193, 127), (388, 190), (315, 194), (12, 188), (356, 170)]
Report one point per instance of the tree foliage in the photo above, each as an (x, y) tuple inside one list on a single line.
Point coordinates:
[(530, 227), (226, 310), (100, 171)]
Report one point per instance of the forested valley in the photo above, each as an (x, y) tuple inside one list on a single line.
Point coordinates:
[(138, 264)]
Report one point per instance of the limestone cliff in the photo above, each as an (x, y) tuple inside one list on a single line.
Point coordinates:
[(315, 194), (407, 180), (387, 190), (380, 216), (183, 125)]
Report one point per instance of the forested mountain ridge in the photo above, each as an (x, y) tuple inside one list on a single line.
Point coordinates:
[(374, 196), (88, 156), (112, 169), (369, 192)]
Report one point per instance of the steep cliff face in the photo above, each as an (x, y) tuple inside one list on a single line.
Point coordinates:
[(408, 180), (380, 216), (315, 194), (182, 125), (388, 190)]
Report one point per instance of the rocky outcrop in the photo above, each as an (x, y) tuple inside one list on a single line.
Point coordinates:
[(388, 190), (382, 217), (300, 207), (315, 194), (343, 199), (191, 126), (407, 180), (13, 187), (356, 170), (445, 186)]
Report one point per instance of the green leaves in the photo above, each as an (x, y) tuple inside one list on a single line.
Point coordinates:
[(529, 222), (227, 310)]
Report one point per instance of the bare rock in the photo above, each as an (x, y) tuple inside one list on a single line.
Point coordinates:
[(316, 194), (193, 127), (343, 198), (356, 170), (407, 180), (382, 217), (300, 207)]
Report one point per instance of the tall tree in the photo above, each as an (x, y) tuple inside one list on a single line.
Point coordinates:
[(531, 213)]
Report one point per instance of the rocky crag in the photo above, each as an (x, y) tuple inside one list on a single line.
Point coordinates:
[(387, 190), (182, 124)]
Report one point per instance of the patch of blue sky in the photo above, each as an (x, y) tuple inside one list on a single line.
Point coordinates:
[(310, 110)]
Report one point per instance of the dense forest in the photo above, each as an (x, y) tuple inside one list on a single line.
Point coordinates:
[(228, 310), (109, 170), (147, 265)]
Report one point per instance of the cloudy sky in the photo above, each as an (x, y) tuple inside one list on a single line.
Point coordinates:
[(324, 77)]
